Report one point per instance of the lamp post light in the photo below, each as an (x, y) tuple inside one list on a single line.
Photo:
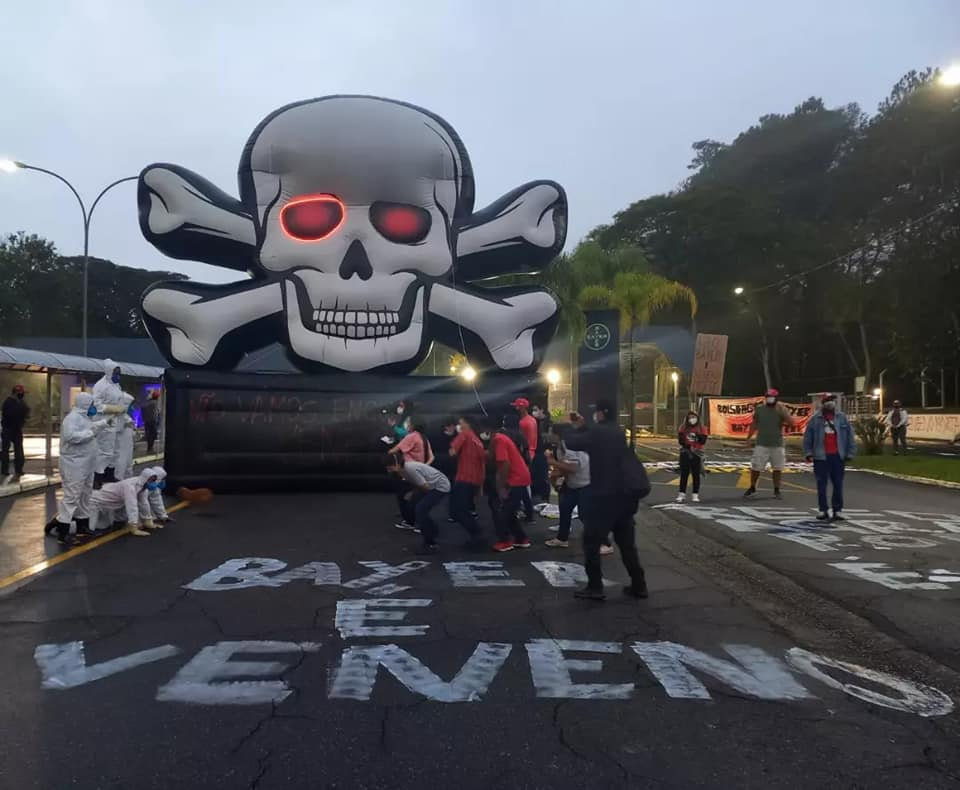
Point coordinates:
[(468, 373), (950, 76), (738, 290), (553, 377), (11, 166), (675, 377)]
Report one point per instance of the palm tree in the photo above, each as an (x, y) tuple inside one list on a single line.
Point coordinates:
[(637, 294)]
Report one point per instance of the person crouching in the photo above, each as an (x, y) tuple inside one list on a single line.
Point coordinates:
[(133, 497), (428, 486)]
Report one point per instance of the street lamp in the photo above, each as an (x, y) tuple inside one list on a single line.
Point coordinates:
[(675, 377), (738, 290), (468, 373), (950, 76), (553, 376), (11, 166)]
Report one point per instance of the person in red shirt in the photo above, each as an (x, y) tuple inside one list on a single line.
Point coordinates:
[(513, 479), (471, 457), (529, 430)]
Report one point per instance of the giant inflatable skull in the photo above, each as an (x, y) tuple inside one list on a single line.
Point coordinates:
[(356, 227)]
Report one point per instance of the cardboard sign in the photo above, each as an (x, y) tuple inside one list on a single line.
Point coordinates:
[(709, 357)]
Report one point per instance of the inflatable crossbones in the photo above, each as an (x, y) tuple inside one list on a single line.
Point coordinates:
[(356, 226)]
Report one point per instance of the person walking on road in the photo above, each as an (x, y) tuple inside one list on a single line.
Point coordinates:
[(529, 430), (768, 423), (898, 420), (413, 447), (829, 442), (78, 461), (428, 485), (151, 419), (471, 459), (609, 507), (511, 481), (12, 421), (692, 436)]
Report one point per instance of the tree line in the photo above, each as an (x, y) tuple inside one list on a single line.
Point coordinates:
[(841, 228)]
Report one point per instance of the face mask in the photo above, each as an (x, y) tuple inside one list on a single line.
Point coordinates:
[(693, 420), (399, 409), (19, 396), (537, 413), (115, 378), (92, 411), (485, 436), (448, 431), (459, 428), (162, 484), (771, 401), (596, 417), (153, 486)]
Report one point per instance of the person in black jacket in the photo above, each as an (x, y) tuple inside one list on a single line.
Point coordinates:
[(608, 508), (13, 418)]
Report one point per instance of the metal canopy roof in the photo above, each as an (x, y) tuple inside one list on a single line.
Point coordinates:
[(47, 361)]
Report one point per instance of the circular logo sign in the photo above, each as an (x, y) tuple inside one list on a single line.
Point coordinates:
[(597, 337)]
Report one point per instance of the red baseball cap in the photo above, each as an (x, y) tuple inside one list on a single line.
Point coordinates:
[(19, 388), (772, 393), (521, 403)]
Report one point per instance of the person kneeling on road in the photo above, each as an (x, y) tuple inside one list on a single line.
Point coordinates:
[(155, 497), (133, 495), (78, 462), (829, 442), (428, 486)]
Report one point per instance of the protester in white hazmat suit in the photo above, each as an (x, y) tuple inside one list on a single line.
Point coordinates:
[(132, 495), (108, 398), (156, 496), (78, 460), (124, 463)]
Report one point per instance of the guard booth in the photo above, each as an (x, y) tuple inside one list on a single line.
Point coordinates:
[(52, 381)]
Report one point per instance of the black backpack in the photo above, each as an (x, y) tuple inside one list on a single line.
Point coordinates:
[(636, 484)]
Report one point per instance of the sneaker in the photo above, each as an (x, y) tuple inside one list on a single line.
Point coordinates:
[(824, 516), (50, 527), (681, 498), (636, 592), (404, 525), (140, 533), (66, 539), (590, 594), (837, 516), (605, 549), (426, 548), (777, 494), (522, 544), (555, 543), (554, 528), (695, 498), (749, 492), (451, 520), (503, 545)]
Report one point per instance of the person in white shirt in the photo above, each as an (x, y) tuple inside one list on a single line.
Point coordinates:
[(428, 486), (898, 420), (571, 469)]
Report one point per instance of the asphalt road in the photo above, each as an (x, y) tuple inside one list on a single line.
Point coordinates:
[(148, 663)]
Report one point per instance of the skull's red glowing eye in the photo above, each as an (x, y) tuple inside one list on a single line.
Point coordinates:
[(400, 223), (312, 218)]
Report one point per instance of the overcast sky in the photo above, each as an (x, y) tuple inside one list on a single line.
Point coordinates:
[(604, 97)]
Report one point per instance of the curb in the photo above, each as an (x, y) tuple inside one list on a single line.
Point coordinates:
[(927, 481)]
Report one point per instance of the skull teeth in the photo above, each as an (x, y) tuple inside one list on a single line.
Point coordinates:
[(356, 323)]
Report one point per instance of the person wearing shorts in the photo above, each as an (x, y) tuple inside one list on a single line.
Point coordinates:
[(768, 422)]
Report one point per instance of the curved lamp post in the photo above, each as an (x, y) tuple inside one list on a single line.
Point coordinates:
[(11, 166)]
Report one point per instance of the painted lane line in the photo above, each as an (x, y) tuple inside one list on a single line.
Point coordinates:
[(40, 567)]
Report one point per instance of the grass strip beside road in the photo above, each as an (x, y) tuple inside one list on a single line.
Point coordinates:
[(928, 466)]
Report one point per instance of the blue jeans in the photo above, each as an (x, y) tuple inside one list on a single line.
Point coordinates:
[(462, 496), (831, 469), (423, 520)]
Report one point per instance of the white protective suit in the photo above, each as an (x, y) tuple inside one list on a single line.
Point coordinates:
[(156, 496), (108, 398), (132, 496), (124, 463), (78, 460)]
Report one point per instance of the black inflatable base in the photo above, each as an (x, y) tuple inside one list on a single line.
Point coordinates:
[(243, 432)]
